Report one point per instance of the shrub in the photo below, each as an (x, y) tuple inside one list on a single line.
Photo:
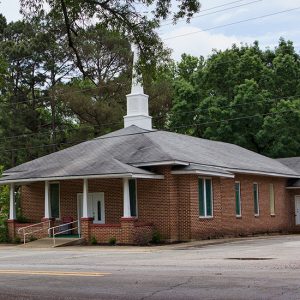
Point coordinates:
[(112, 241), (17, 240), (156, 238), (94, 240)]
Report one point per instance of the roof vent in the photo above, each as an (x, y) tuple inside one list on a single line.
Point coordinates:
[(137, 101)]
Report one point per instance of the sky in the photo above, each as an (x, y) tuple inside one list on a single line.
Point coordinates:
[(218, 14)]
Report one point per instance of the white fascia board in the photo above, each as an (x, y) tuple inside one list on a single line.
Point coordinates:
[(293, 187), (126, 175), (198, 172), (239, 171), (161, 163)]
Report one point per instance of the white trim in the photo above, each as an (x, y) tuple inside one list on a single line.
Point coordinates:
[(257, 191), (239, 171), (161, 163), (91, 206), (204, 196), (12, 202), (126, 199), (198, 172), (273, 188), (125, 175), (240, 200)]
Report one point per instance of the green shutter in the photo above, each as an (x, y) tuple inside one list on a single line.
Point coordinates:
[(237, 199), (201, 197), (208, 190), (132, 194), (255, 196), (54, 200)]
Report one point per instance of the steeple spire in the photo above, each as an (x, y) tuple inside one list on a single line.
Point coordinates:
[(136, 86), (137, 101)]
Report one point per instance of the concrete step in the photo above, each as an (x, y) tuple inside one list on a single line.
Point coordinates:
[(48, 242)]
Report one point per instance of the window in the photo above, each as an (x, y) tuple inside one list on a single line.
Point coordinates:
[(205, 197), (54, 200), (255, 198), (132, 195), (272, 200), (238, 211)]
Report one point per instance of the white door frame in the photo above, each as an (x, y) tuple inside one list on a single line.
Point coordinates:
[(297, 215), (91, 208)]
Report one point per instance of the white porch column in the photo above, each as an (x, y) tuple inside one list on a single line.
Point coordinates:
[(85, 199), (12, 204), (47, 214), (126, 199)]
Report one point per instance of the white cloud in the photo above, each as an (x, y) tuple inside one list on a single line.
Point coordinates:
[(197, 44)]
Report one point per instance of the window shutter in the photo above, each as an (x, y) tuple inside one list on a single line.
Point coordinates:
[(208, 189), (132, 195), (201, 197), (54, 200)]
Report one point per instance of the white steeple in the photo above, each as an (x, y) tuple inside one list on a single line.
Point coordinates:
[(137, 101)]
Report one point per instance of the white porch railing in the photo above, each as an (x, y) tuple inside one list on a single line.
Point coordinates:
[(32, 229), (51, 231)]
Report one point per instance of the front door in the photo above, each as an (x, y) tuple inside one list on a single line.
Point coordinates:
[(297, 210), (96, 208)]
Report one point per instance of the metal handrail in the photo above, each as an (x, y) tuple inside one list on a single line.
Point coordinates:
[(31, 232), (60, 232)]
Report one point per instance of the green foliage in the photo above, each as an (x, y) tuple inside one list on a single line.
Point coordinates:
[(17, 240), (4, 209), (156, 237), (243, 95), (112, 241), (94, 240)]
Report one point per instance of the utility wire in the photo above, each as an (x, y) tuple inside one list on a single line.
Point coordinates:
[(211, 13), (233, 23), (195, 111), (173, 128)]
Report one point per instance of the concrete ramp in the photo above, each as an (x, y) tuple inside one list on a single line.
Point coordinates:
[(48, 242)]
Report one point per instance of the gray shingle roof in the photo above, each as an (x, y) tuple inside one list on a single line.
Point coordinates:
[(291, 162), (122, 151), (294, 164)]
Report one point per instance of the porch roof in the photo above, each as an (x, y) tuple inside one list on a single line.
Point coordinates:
[(79, 169)]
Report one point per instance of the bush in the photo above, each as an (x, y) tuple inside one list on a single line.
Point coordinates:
[(156, 238), (17, 240), (94, 240), (112, 241), (3, 233)]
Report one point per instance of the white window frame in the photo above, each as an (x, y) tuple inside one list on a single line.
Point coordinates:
[(240, 200), (204, 196), (257, 192), (59, 210)]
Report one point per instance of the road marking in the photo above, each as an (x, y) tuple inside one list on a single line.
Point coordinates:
[(53, 273)]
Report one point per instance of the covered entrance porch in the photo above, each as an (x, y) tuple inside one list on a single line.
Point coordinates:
[(104, 207)]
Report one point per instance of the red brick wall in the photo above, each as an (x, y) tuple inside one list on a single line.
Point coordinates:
[(225, 222), (172, 205)]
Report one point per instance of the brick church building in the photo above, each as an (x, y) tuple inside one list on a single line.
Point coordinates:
[(133, 182)]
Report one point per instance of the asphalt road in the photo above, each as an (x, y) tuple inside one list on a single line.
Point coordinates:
[(258, 268)]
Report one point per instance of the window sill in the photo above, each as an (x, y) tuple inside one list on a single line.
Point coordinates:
[(238, 217), (273, 216), (256, 216), (208, 217)]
